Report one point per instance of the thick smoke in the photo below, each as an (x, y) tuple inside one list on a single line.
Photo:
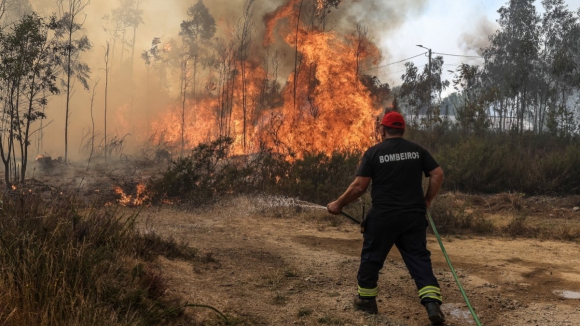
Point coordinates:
[(478, 38), (380, 17), (135, 98)]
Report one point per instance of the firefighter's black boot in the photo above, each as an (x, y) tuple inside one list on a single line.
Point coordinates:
[(436, 316), (366, 305)]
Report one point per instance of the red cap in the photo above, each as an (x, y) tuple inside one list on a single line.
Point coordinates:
[(393, 120)]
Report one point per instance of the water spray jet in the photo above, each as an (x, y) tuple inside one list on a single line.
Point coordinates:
[(294, 202)]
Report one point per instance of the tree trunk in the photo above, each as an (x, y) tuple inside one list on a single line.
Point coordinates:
[(106, 96), (183, 98), (68, 95), (244, 108), (133, 49), (135, 26), (24, 142), (93, 126)]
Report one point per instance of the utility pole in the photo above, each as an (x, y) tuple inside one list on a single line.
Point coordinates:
[(430, 87)]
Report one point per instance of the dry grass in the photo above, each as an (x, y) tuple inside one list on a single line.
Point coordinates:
[(508, 214), (63, 267)]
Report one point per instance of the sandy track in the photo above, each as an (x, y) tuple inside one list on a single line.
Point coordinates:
[(301, 269)]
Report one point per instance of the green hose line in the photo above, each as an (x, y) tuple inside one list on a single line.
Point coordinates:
[(453, 270), (350, 217)]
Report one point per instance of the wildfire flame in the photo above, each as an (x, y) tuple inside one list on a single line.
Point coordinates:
[(325, 106), (127, 200)]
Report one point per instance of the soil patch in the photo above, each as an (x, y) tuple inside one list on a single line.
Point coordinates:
[(301, 270)]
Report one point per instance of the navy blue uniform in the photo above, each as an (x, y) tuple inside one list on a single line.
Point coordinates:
[(397, 217)]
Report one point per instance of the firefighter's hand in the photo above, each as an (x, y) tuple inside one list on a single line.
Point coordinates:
[(334, 208)]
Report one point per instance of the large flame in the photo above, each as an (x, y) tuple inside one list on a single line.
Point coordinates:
[(335, 113), (198, 121), (325, 106)]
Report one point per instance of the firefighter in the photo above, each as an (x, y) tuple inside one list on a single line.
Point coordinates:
[(397, 217)]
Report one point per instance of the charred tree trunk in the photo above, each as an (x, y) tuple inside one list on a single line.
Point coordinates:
[(296, 52)]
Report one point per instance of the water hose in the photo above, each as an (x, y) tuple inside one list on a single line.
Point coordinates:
[(350, 217), (453, 270)]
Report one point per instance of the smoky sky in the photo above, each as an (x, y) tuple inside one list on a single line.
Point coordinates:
[(478, 38)]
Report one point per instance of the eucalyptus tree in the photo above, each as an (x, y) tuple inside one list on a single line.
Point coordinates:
[(195, 35), (225, 59), (12, 10), (244, 31), (136, 19), (531, 66), (69, 25), (470, 108), (560, 54), (128, 15), (2, 8), (362, 43), (154, 58), (27, 78), (323, 8), (421, 91), (511, 60), (106, 59)]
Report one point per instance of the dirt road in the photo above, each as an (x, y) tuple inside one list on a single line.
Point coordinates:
[(278, 267)]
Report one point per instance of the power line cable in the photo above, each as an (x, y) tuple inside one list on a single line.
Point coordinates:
[(458, 55), (395, 72), (392, 63), (418, 55)]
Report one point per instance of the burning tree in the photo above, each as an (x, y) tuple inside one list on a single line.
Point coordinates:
[(195, 34), (324, 105), (333, 110)]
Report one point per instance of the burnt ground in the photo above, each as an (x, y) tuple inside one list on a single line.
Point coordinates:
[(280, 267)]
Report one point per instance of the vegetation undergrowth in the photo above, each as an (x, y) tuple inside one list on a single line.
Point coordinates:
[(65, 266), (508, 215), (494, 163), (518, 166)]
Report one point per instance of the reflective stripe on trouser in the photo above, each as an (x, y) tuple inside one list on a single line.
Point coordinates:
[(431, 292), (408, 233), (369, 293)]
